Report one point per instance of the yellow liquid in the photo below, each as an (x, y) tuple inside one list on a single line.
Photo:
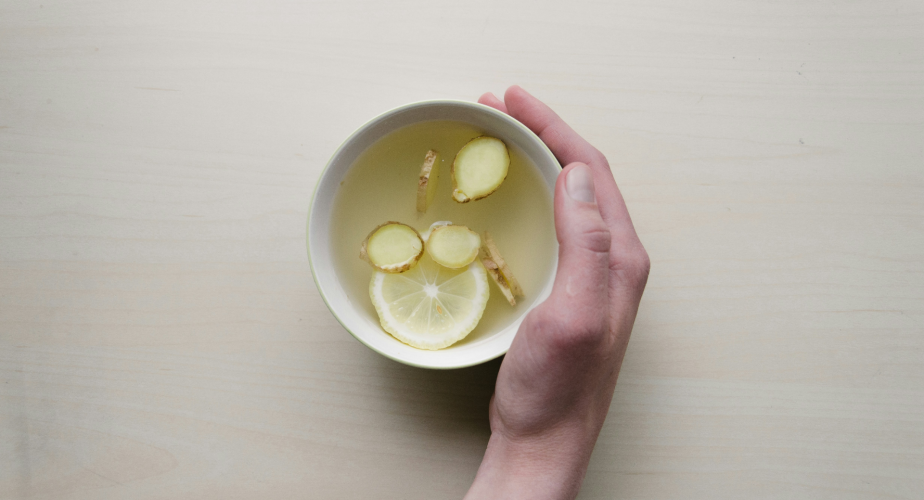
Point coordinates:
[(382, 186)]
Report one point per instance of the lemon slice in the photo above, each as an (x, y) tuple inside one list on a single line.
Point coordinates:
[(430, 306)]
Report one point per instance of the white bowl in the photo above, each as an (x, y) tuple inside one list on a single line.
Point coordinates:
[(359, 322)]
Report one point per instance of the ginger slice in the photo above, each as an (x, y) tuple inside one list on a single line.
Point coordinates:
[(392, 247), (479, 169), (426, 184), (453, 246), (491, 267), (493, 254)]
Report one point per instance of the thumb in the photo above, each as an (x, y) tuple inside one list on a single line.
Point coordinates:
[(584, 240)]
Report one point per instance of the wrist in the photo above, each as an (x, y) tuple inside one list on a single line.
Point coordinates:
[(547, 466)]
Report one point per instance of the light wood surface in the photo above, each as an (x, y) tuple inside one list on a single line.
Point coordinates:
[(161, 336)]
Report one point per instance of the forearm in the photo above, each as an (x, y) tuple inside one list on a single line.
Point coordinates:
[(541, 468)]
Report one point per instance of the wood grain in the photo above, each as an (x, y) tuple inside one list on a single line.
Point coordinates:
[(161, 336)]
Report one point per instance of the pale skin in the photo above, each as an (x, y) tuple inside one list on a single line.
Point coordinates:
[(557, 380)]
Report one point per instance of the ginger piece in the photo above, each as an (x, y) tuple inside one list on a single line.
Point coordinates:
[(392, 247), (426, 183), (453, 246), (491, 267), (479, 169), (494, 260)]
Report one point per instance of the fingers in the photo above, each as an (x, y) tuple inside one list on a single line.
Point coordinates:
[(581, 285), (489, 99), (570, 147), (564, 142)]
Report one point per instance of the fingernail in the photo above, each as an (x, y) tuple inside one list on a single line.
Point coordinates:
[(580, 184)]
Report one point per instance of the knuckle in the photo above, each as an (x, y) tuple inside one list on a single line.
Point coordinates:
[(643, 263), (595, 236), (639, 265)]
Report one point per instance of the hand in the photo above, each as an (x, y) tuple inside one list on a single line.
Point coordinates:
[(556, 382)]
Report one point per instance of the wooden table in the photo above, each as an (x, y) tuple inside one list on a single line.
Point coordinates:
[(161, 336)]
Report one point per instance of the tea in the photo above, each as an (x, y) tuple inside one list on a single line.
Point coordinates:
[(382, 186)]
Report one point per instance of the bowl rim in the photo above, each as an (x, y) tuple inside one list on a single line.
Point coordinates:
[(362, 129)]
